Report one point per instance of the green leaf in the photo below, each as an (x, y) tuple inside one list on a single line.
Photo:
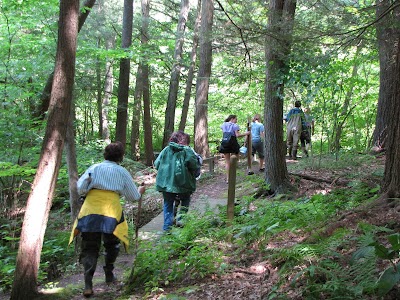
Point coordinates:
[(394, 240), (388, 280), (381, 251)]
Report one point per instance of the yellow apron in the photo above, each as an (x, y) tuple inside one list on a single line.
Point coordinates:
[(101, 209)]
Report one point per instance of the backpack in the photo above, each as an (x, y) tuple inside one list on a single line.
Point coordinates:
[(227, 140)]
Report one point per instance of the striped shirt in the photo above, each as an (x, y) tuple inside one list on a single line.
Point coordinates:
[(110, 176)]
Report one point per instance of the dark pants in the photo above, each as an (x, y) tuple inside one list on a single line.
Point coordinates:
[(305, 138), (91, 242)]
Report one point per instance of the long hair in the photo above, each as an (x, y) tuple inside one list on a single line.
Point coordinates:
[(230, 117)]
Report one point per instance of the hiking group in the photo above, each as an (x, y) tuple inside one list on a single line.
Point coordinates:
[(300, 128), (101, 217)]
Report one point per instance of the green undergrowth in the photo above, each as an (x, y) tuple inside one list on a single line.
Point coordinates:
[(313, 265)]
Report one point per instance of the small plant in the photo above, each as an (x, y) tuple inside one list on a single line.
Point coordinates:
[(391, 276)]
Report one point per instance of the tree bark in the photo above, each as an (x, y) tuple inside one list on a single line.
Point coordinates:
[(391, 178), (45, 96), (190, 77), (387, 34), (40, 199), (203, 79), (175, 73), (124, 72), (108, 92), (136, 114), (148, 132), (277, 49)]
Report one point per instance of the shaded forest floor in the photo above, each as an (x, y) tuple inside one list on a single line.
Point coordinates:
[(253, 276)]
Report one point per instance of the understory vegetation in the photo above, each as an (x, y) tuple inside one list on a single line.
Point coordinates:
[(319, 244)]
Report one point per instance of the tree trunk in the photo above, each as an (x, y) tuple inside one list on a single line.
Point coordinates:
[(136, 114), (148, 133), (124, 72), (203, 78), (189, 82), (175, 73), (391, 178), (45, 96), (278, 43), (108, 91), (346, 109), (72, 166), (387, 34), (40, 199)]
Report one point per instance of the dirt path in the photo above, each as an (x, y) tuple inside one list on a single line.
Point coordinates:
[(210, 187)]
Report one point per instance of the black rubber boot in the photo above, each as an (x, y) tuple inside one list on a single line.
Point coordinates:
[(89, 264), (290, 152), (108, 271), (109, 259)]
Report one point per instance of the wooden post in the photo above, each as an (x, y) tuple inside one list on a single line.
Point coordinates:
[(211, 165), (231, 189), (249, 148)]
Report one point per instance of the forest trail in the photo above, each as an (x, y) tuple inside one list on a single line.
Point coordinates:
[(210, 192)]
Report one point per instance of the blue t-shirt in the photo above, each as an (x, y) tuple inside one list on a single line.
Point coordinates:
[(256, 130)]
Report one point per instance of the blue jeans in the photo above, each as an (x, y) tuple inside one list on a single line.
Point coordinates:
[(170, 206)]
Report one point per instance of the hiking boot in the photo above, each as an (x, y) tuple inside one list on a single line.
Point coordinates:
[(89, 264), (88, 292), (108, 271)]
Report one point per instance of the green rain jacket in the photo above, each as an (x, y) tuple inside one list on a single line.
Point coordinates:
[(176, 167)]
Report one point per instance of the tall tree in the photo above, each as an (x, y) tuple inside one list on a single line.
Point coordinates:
[(105, 101), (190, 76), (277, 48), (45, 96), (388, 32), (391, 179), (124, 72), (136, 115), (175, 73), (203, 79), (148, 132), (40, 198)]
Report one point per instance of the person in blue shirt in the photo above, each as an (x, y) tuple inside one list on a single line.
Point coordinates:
[(101, 216), (257, 140), (295, 123)]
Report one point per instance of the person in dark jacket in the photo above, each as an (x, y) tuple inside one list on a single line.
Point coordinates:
[(101, 216), (177, 165)]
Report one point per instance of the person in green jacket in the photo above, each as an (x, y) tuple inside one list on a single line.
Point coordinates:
[(177, 165)]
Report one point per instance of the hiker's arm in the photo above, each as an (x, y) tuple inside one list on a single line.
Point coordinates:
[(241, 134)]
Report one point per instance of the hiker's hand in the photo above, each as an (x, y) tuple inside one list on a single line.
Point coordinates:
[(141, 189)]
